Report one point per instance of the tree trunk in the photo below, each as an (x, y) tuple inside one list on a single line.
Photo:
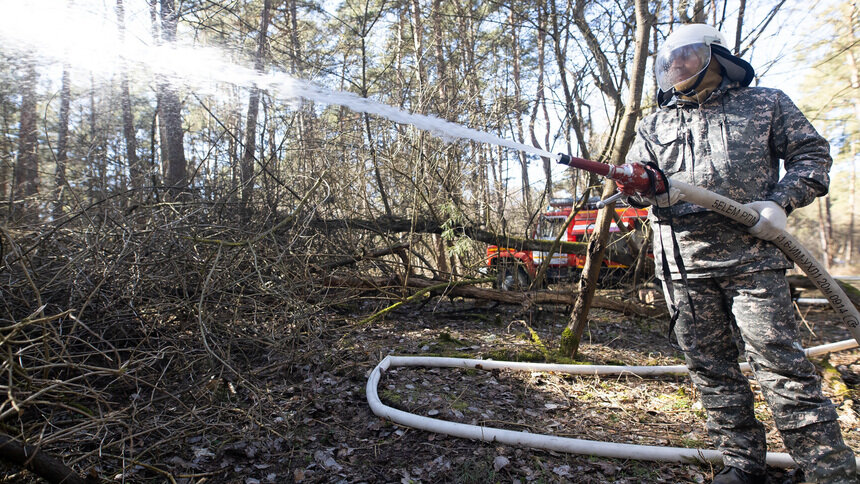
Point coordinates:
[(62, 142), (574, 121), (441, 61), (26, 183), (597, 245), (247, 165), (421, 80), (741, 9), (97, 154), (521, 155), (174, 163), (6, 150), (699, 12), (540, 99), (295, 68), (135, 174), (698, 15), (825, 231), (852, 204)]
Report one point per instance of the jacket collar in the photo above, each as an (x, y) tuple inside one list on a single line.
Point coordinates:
[(672, 99)]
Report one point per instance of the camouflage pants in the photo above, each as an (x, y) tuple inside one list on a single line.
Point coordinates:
[(757, 308)]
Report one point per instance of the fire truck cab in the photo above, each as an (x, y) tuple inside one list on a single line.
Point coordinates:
[(516, 269)]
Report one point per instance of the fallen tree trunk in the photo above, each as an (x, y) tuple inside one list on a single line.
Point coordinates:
[(37, 462), (508, 297), (398, 225)]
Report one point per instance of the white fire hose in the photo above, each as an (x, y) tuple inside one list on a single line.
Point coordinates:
[(838, 300)]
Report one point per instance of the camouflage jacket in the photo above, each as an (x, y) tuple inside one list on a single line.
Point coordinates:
[(730, 145)]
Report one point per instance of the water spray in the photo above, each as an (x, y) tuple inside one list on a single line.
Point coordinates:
[(83, 37)]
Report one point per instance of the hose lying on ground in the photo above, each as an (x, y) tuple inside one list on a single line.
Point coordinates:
[(550, 442), (738, 212)]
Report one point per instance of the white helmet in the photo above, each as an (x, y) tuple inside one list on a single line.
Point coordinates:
[(687, 52)]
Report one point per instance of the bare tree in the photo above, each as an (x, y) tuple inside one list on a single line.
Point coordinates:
[(626, 132)]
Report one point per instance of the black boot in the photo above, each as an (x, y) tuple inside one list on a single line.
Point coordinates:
[(733, 475)]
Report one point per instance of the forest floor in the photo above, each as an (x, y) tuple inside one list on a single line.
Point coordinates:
[(335, 437), (306, 418)]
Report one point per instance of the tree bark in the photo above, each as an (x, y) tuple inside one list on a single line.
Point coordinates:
[(597, 245), (295, 47), (6, 150)]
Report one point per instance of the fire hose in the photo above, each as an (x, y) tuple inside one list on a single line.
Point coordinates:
[(635, 178), (638, 178)]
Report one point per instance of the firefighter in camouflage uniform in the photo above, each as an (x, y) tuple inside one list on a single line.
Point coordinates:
[(728, 281)]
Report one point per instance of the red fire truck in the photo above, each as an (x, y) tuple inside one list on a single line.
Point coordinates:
[(516, 269)]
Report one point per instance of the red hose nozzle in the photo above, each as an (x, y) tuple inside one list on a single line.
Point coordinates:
[(631, 178), (636, 178)]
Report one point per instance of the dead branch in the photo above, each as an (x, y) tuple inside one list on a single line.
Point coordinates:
[(401, 225), (443, 286), (400, 246), (37, 462), (384, 284)]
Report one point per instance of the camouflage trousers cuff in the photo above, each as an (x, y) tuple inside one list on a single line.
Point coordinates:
[(821, 453)]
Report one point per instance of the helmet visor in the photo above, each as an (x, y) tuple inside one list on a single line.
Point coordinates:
[(680, 64)]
